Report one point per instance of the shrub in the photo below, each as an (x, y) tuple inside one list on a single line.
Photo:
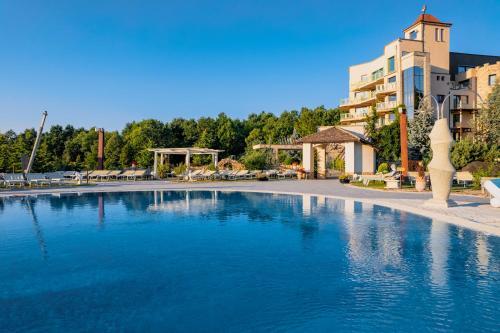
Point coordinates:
[(339, 164), (466, 151), (163, 169), (383, 168), (180, 169), (256, 160)]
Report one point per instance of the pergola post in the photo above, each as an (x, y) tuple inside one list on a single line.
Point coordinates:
[(308, 158), (188, 159), (215, 159), (155, 167), (162, 159)]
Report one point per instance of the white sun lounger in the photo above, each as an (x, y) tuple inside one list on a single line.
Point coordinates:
[(493, 188)]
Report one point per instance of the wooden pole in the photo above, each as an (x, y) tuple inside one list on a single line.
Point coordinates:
[(404, 141)]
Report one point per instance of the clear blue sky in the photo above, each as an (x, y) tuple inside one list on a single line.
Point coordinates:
[(98, 63)]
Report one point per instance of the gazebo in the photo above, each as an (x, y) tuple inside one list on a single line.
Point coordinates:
[(359, 154), (166, 152)]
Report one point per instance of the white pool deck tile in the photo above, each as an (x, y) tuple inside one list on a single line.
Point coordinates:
[(470, 212)]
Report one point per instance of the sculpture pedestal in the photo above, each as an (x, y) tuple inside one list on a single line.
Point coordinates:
[(439, 203)]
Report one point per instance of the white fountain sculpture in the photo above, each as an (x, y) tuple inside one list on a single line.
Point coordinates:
[(440, 168)]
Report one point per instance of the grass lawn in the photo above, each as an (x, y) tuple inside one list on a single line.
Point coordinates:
[(380, 185)]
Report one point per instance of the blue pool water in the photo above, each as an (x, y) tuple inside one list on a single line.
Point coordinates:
[(239, 262)]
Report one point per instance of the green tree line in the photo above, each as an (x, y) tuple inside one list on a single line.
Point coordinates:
[(70, 148)]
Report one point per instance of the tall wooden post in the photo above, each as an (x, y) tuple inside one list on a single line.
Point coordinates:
[(403, 123), (100, 149)]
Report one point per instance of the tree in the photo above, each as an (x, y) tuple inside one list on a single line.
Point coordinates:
[(488, 120), (371, 124), (419, 127), (309, 120), (112, 151)]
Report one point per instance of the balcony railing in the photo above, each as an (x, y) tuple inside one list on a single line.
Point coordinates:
[(383, 106), (353, 116), (357, 100), (366, 80), (385, 88)]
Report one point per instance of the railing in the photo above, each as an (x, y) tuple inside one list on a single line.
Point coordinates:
[(381, 88), (357, 100), (349, 116), (369, 79), (386, 105)]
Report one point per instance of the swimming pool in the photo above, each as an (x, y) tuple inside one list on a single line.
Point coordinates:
[(209, 261)]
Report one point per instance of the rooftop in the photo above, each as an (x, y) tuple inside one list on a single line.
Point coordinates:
[(427, 18), (334, 135)]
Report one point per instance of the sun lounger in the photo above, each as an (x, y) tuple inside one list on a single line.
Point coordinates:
[(493, 188), (140, 173), (464, 177), (125, 174), (235, 175), (287, 174), (39, 179), (56, 177), (14, 179), (272, 173), (113, 174)]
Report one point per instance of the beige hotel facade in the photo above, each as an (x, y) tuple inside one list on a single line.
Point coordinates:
[(417, 65)]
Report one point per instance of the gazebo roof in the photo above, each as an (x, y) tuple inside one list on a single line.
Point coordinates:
[(334, 135), (186, 150)]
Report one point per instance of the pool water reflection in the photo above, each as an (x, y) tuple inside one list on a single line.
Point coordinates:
[(212, 261)]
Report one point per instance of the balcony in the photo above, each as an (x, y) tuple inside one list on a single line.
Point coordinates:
[(366, 100), (386, 106), (370, 82), (347, 117), (385, 89)]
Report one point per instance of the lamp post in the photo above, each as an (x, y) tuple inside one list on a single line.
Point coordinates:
[(403, 130)]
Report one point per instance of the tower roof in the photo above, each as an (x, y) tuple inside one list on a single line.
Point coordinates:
[(428, 18)]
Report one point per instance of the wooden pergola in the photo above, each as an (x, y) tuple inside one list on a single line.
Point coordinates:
[(166, 152)]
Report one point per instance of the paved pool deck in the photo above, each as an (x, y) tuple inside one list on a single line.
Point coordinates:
[(470, 212)]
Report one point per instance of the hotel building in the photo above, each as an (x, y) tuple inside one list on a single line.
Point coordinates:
[(416, 65)]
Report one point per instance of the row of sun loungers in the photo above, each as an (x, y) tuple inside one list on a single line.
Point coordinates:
[(233, 174), (61, 177), (33, 179), (106, 175)]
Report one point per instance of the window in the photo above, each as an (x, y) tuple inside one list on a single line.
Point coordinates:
[(439, 35), (392, 79), (492, 79), (456, 120), (391, 65), (440, 99), (413, 88), (364, 78), (378, 74), (460, 101), (442, 78), (392, 98), (464, 84), (413, 34), (463, 68)]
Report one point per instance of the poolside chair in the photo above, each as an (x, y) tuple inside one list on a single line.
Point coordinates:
[(242, 174), (271, 173), (13, 179), (139, 173), (464, 177), (253, 174), (56, 177), (287, 174), (125, 174), (39, 179), (113, 174)]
